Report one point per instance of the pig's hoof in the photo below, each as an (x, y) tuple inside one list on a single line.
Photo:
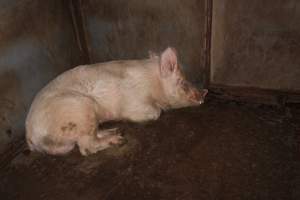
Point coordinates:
[(84, 152), (108, 132), (123, 142), (117, 140), (113, 130)]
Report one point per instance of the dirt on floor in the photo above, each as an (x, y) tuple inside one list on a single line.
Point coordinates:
[(220, 150)]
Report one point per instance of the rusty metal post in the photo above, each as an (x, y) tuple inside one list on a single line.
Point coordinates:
[(79, 26), (208, 32)]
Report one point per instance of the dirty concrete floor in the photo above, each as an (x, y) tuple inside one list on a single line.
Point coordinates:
[(221, 150)]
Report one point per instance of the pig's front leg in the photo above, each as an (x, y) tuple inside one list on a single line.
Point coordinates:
[(143, 113)]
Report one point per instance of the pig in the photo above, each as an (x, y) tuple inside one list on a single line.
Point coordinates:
[(67, 112)]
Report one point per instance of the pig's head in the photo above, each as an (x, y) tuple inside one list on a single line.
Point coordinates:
[(178, 91)]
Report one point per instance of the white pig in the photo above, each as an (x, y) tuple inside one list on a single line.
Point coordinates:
[(68, 110)]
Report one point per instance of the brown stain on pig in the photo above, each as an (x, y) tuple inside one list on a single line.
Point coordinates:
[(69, 127), (50, 142)]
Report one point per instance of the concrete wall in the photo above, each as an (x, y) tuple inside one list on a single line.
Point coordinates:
[(36, 44), (256, 44), (124, 29)]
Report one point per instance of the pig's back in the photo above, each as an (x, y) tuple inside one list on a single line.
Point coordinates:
[(95, 79), (84, 78)]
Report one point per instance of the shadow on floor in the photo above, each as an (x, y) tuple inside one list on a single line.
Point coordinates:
[(221, 150)]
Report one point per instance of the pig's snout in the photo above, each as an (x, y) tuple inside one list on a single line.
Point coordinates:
[(198, 96)]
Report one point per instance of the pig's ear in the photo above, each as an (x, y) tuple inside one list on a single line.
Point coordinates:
[(168, 62)]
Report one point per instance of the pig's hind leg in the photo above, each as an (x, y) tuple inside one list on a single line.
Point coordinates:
[(67, 119), (72, 119)]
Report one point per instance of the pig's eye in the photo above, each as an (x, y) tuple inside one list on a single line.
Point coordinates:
[(185, 86)]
